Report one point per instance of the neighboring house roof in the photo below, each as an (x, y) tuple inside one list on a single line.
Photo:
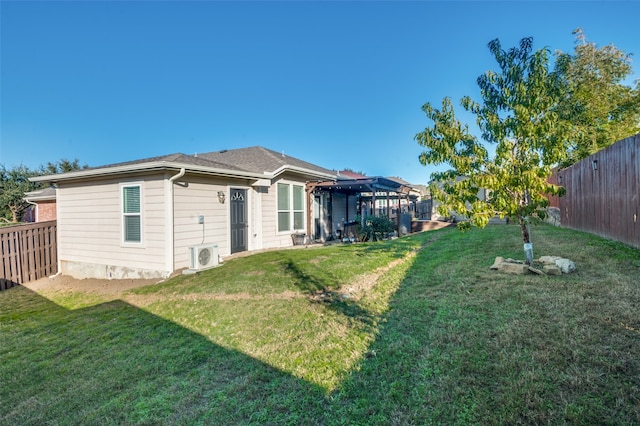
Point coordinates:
[(253, 163), (399, 180), (421, 189), (46, 194), (348, 174)]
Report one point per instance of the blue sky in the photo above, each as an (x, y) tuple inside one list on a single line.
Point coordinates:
[(339, 84)]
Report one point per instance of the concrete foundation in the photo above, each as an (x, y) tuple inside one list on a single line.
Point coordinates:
[(82, 270)]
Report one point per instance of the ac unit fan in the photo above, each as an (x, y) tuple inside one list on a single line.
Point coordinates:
[(203, 256)]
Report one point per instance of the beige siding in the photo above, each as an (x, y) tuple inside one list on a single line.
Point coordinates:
[(90, 222), (195, 196), (271, 237), (90, 225)]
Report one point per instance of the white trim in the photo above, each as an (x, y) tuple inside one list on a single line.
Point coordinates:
[(176, 166), (291, 210), (170, 260), (256, 213), (169, 224), (144, 167), (123, 242), (303, 226), (287, 168)]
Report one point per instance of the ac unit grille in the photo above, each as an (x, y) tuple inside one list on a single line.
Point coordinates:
[(203, 256)]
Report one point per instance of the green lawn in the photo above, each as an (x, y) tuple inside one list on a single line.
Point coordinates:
[(412, 331)]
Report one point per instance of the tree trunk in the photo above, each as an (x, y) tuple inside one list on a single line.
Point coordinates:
[(528, 247), (14, 214)]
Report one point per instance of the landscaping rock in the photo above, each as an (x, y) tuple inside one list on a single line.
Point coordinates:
[(548, 260), (551, 265), (513, 268), (536, 271), (566, 266), (510, 266), (497, 262), (552, 269)]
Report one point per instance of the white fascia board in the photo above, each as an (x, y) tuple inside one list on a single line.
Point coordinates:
[(40, 198), (302, 170), (262, 182), (143, 167)]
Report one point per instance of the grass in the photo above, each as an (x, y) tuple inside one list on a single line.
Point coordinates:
[(336, 336)]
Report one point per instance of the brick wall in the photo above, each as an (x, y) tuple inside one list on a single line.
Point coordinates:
[(46, 211)]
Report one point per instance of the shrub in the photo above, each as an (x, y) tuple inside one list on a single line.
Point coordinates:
[(375, 228)]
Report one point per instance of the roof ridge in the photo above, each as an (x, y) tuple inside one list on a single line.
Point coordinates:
[(274, 154)]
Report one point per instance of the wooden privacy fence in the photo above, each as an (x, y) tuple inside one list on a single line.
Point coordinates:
[(603, 193), (28, 252)]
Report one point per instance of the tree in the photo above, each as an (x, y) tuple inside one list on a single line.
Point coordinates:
[(14, 183), (518, 116), (62, 166), (601, 108)]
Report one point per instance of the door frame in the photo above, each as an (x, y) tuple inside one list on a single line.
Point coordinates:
[(248, 221)]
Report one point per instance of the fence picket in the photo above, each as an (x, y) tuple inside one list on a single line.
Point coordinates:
[(28, 253), (602, 193)]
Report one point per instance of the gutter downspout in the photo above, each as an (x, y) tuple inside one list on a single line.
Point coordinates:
[(36, 207), (169, 213)]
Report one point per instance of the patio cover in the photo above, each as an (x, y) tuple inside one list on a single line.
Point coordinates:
[(366, 188)]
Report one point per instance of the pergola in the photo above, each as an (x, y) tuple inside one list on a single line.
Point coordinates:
[(366, 189)]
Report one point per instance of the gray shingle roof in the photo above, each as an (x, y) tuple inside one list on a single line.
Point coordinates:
[(253, 161), (176, 158), (41, 194), (259, 160)]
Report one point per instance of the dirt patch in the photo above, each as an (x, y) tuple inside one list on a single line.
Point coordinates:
[(89, 285), (142, 300), (360, 284), (116, 288)]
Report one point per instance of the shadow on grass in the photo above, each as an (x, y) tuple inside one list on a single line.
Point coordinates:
[(463, 346), (307, 283), (447, 352), (115, 363), (319, 291)]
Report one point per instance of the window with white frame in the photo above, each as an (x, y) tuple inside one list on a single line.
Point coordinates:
[(131, 214), (290, 207)]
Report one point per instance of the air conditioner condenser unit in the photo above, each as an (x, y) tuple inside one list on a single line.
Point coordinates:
[(203, 256)]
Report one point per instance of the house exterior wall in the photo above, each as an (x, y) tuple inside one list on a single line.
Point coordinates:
[(195, 196), (271, 237), (46, 211), (90, 222), (90, 230)]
